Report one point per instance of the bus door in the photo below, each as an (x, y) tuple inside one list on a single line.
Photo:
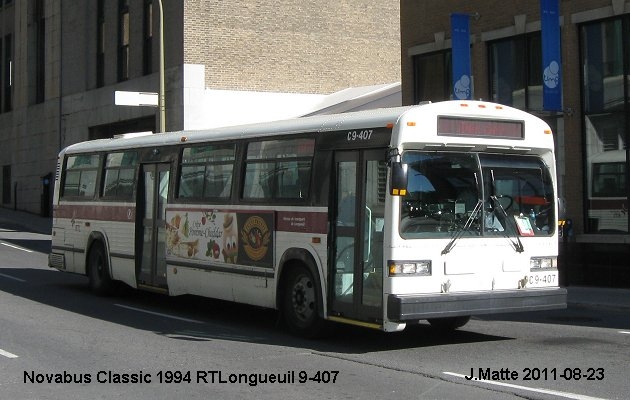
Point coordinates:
[(357, 240), (151, 234)]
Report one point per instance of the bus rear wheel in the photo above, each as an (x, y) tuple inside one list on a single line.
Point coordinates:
[(98, 271), (449, 323), (300, 303)]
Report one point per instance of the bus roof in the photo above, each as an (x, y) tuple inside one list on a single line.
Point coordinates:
[(321, 123)]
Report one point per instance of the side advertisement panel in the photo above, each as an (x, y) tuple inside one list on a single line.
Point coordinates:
[(220, 236)]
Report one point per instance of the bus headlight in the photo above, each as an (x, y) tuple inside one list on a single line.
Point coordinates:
[(397, 268), (536, 263)]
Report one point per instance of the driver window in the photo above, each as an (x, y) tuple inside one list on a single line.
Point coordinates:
[(519, 186)]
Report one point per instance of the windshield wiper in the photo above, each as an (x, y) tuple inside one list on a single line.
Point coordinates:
[(460, 232), (518, 246)]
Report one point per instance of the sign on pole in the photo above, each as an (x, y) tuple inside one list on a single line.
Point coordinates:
[(146, 99)]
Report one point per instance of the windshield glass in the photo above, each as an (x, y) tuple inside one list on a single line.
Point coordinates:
[(474, 194)]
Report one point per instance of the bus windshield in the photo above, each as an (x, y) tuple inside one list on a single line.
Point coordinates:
[(474, 194)]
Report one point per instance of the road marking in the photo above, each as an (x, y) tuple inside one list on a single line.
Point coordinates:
[(7, 354), (544, 391), (12, 277), (16, 247), (159, 314), (625, 332)]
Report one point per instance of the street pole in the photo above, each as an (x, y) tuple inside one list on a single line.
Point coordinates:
[(161, 94)]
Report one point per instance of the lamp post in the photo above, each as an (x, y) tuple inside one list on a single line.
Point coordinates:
[(161, 106)]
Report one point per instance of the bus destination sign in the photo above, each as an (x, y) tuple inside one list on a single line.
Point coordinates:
[(477, 127)]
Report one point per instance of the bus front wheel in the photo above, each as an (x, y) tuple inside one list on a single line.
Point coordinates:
[(98, 271), (300, 303)]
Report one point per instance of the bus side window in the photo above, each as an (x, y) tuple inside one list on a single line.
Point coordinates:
[(293, 181), (206, 172), (120, 174), (278, 169)]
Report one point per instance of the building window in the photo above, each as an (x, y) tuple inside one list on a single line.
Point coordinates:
[(515, 67), (40, 63), (147, 51), (1, 74), (6, 184), (123, 40), (432, 76), (7, 74), (100, 43), (606, 78)]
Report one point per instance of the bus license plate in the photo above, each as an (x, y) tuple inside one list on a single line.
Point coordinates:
[(544, 278)]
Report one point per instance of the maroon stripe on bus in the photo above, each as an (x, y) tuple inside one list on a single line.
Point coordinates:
[(287, 221), (96, 212), (296, 221)]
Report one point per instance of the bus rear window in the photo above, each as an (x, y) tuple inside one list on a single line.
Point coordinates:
[(80, 175)]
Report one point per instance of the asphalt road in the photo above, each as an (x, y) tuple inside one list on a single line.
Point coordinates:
[(58, 341)]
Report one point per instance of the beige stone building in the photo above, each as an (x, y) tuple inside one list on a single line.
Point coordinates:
[(591, 131), (225, 62)]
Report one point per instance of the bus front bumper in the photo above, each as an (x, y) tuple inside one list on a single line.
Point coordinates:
[(407, 308)]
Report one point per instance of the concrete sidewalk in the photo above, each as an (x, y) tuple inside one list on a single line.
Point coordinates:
[(24, 220), (577, 295)]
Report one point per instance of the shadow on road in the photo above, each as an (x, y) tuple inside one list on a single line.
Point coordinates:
[(27, 240), (193, 318), (574, 315)]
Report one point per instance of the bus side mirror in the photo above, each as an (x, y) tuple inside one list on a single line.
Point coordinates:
[(398, 184)]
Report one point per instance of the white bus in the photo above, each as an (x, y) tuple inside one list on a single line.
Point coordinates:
[(377, 218), (608, 200)]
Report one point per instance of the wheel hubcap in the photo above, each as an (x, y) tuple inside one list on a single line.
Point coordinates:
[(303, 298)]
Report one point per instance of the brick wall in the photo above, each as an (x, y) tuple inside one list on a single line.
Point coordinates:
[(293, 46)]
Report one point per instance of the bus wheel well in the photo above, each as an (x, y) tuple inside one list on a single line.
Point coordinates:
[(299, 296), (294, 258), (95, 239), (97, 266)]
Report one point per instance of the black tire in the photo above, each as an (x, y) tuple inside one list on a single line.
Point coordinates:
[(98, 271), (449, 323), (300, 303)]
